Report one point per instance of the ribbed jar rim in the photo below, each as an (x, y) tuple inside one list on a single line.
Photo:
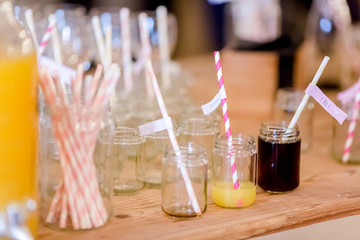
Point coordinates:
[(277, 131), (190, 154), (127, 135), (197, 125), (241, 145)]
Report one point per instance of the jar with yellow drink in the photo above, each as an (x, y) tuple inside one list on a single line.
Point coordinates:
[(18, 129), (222, 189)]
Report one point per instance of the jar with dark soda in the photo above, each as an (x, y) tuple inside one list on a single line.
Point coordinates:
[(278, 157)]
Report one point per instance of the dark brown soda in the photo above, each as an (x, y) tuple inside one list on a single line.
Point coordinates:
[(278, 166)]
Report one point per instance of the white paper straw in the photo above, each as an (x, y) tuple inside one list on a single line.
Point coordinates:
[(306, 96), (161, 17), (55, 41), (108, 44), (29, 17), (99, 40), (172, 137), (126, 48)]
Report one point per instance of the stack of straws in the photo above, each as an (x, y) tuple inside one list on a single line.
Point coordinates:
[(78, 195)]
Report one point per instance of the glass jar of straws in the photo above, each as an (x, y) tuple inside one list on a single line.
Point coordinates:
[(175, 200), (65, 150), (340, 136), (244, 151), (279, 157)]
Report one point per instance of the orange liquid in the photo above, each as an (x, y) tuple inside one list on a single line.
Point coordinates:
[(18, 132)]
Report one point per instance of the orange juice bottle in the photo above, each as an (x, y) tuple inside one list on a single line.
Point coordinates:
[(18, 124)]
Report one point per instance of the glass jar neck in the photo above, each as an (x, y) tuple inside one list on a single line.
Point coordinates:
[(241, 145), (197, 126), (190, 154), (277, 131), (127, 135)]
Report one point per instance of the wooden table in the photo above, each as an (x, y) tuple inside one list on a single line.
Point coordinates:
[(327, 190)]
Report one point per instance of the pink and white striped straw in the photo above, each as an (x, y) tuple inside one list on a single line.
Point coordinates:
[(46, 37), (126, 48), (174, 143), (226, 118), (352, 127)]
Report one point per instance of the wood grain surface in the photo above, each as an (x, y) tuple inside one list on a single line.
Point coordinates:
[(327, 190)]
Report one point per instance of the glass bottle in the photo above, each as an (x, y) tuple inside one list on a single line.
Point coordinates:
[(50, 160), (244, 151), (128, 150), (175, 200), (340, 133), (279, 157), (327, 34), (18, 128)]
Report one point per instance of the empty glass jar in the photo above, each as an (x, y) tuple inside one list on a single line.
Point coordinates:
[(175, 199), (128, 150)]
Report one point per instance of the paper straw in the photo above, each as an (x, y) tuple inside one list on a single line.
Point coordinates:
[(306, 96), (108, 44), (55, 41), (29, 17), (46, 37), (161, 16), (146, 49), (352, 127), (188, 185), (99, 40), (126, 48), (226, 119)]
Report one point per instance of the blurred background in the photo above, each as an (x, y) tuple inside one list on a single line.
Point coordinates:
[(300, 32)]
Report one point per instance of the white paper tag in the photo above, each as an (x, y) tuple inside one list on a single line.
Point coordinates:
[(65, 73), (212, 105), (155, 126)]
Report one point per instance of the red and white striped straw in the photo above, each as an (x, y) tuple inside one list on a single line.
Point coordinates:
[(46, 37), (352, 127), (226, 118), (126, 48), (174, 143)]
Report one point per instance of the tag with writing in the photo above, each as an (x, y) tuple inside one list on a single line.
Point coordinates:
[(348, 94), (65, 73), (155, 126), (212, 105), (326, 103)]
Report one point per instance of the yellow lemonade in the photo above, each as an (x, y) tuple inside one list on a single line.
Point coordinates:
[(224, 194), (18, 132)]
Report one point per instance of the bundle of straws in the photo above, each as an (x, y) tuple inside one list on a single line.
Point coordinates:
[(77, 198)]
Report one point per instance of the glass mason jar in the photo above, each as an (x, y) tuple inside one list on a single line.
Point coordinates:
[(201, 130), (150, 165), (340, 133), (128, 150), (18, 128), (279, 157), (286, 103), (175, 200), (93, 128), (244, 151)]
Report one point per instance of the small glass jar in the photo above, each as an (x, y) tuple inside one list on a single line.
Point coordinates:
[(279, 157), (286, 103), (222, 189), (340, 133), (175, 199), (201, 130), (150, 165), (128, 149), (51, 167)]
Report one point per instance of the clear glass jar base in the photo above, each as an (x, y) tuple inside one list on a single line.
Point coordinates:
[(181, 212), (152, 185)]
